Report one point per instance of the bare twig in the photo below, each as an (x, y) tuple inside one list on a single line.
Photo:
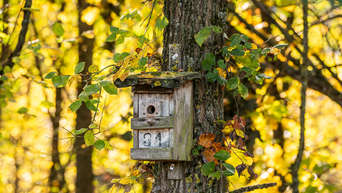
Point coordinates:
[(254, 187)]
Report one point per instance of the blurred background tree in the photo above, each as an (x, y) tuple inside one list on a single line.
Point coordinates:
[(58, 133)]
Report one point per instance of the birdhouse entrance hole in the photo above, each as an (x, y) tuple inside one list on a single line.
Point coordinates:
[(151, 109)]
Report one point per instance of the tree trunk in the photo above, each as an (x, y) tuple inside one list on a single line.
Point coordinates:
[(57, 181), (84, 176), (186, 18)]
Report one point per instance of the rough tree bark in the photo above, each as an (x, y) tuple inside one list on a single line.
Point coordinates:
[(186, 18), (84, 176)]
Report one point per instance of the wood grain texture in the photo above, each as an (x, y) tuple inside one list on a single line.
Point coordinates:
[(152, 123), (151, 154)]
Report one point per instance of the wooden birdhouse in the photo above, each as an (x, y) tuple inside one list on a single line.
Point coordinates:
[(163, 115)]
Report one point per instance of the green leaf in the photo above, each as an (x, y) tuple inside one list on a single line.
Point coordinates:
[(93, 126), (118, 57), (208, 168), (216, 175), (90, 105), (202, 35), (142, 61), (83, 96), (161, 23), (280, 46), (216, 29), (79, 67), (80, 131), (111, 37), (60, 81), (213, 76), (109, 87), (233, 83), (265, 51), (120, 40), (50, 75), (229, 169), (222, 64), (89, 138), (243, 91), (134, 15), (75, 105), (237, 52), (99, 144), (22, 110), (311, 189), (92, 89), (93, 68), (205, 33), (222, 155), (208, 61), (58, 29), (235, 39), (114, 29)]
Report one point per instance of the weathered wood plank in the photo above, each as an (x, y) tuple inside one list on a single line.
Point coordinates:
[(152, 122), (154, 105), (151, 154), (183, 131)]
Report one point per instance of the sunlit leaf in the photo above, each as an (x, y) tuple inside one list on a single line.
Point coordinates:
[(75, 105), (109, 87), (120, 56), (80, 131), (60, 81), (92, 89), (50, 75), (90, 105), (280, 46), (89, 138), (58, 29), (229, 169), (79, 67)]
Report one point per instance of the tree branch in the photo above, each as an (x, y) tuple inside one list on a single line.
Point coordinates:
[(22, 35), (255, 187), (296, 164), (316, 80)]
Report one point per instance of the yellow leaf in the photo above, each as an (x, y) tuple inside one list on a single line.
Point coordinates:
[(240, 133), (90, 14), (157, 83), (93, 68), (126, 180), (228, 129)]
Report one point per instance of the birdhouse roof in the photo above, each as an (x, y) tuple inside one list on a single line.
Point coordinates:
[(164, 79)]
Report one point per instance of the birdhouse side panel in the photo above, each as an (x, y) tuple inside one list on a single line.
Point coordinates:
[(183, 131)]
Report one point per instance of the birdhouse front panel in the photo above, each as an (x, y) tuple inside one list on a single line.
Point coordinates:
[(162, 120)]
